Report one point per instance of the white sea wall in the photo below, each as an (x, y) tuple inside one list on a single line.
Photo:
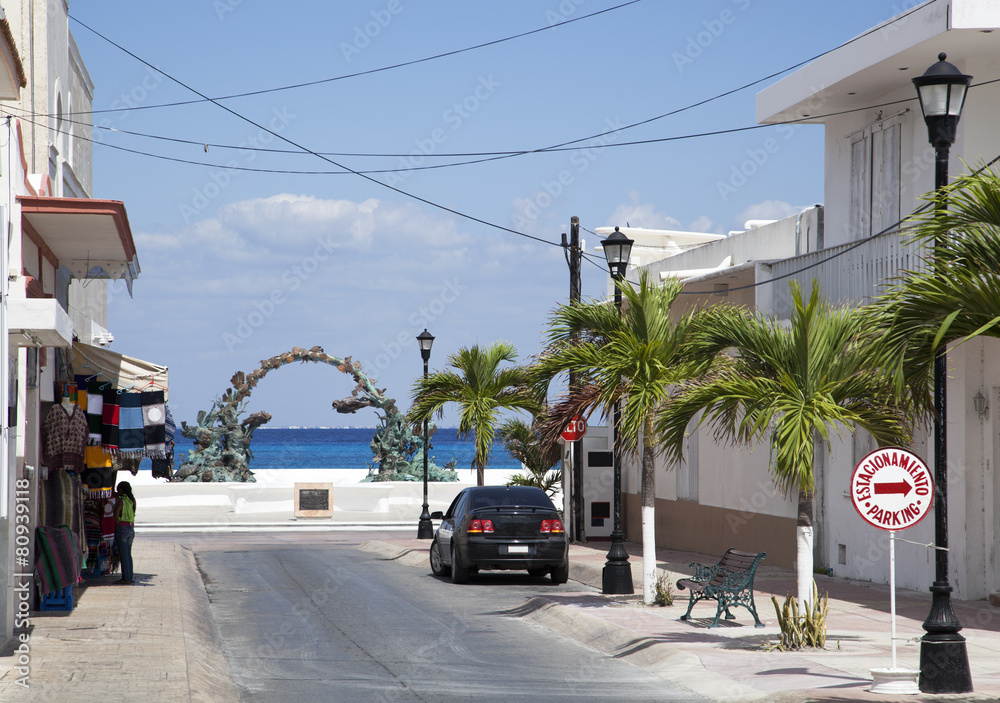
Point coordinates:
[(273, 494)]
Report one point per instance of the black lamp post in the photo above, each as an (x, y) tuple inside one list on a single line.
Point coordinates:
[(944, 661), (617, 575), (425, 529)]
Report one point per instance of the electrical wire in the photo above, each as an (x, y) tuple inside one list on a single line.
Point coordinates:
[(283, 138), (553, 148), (564, 146), (854, 245), (321, 81), (496, 155)]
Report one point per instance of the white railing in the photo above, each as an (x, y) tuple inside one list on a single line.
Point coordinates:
[(852, 273)]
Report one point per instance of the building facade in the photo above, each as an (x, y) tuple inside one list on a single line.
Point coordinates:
[(62, 248), (877, 166)]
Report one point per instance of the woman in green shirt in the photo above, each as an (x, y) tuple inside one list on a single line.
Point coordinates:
[(125, 530)]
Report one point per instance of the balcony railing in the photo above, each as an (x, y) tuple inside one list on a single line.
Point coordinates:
[(853, 273)]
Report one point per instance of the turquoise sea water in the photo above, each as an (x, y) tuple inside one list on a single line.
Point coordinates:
[(346, 448)]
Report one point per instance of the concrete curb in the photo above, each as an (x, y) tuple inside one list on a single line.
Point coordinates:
[(665, 661), (209, 678), (391, 552)]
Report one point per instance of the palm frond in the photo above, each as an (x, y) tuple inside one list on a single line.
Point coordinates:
[(784, 385)]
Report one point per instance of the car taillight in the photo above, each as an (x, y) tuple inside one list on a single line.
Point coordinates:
[(550, 526), (478, 526)]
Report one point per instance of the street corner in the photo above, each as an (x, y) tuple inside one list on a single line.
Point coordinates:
[(412, 552)]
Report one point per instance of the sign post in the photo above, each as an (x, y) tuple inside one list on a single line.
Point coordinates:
[(892, 489), (573, 433)]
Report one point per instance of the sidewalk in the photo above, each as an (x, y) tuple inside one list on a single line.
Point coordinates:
[(730, 662), (153, 642)]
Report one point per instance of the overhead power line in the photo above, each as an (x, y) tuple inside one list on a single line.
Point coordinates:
[(368, 72), (553, 147), (490, 156), (285, 139)]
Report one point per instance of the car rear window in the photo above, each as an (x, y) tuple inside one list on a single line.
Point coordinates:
[(499, 496)]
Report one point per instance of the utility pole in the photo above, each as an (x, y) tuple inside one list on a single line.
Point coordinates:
[(574, 258)]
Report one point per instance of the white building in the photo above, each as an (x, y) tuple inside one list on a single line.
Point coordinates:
[(878, 163), (62, 246)]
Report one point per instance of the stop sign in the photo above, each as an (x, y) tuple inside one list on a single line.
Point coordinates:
[(575, 430)]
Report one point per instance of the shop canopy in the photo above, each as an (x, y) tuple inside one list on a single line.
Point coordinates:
[(125, 372)]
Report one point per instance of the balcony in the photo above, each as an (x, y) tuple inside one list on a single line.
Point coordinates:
[(38, 322), (854, 273)]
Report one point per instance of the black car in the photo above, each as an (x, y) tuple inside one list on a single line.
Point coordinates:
[(500, 527)]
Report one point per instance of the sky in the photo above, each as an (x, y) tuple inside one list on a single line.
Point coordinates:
[(250, 243)]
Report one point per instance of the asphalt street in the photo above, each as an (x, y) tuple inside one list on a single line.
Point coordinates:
[(318, 620)]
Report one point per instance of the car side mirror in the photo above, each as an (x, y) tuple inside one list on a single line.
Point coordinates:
[(437, 515)]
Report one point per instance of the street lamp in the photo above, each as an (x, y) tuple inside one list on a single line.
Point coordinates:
[(944, 661), (617, 575), (425, 529)]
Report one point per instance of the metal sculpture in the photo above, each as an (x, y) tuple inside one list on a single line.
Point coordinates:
[(222, 441)]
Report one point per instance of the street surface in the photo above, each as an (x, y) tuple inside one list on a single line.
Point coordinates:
[(311, 618)]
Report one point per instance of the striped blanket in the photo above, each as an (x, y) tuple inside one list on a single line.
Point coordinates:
[(134, 424), (60, 500), (56, 565)]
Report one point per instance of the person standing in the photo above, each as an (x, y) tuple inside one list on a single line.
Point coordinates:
[(125, 530)]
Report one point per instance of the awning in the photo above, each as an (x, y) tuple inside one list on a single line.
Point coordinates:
[(125, 372), (91, 238)]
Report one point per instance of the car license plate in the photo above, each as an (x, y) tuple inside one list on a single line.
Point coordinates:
[(517, 549)]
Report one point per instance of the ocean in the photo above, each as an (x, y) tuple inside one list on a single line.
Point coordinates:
[(345, 448)]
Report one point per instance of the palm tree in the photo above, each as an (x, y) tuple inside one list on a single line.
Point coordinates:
[(631, 357), (524, 444), (790, 384), (957, 294), (482, 389)]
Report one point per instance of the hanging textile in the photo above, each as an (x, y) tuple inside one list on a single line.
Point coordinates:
[(95, 410), (154, 424), (96, 458), (164, 468), (56, 563), (109, 420), (130, 425), (64, 436), (127, 462), (59, 499), (99, 481)]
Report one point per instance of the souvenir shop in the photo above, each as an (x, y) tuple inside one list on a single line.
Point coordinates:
[(109, 412)]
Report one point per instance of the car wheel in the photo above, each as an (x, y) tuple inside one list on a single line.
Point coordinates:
[(459, 571), (538, 572), (560, 574), (437, 566)]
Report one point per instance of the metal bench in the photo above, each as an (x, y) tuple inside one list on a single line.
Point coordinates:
[(729, 583)]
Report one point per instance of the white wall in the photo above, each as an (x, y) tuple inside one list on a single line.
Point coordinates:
[(976, 143)]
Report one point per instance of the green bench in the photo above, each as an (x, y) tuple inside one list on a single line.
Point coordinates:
[(729, 583)]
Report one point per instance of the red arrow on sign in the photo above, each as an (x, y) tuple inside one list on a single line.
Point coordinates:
[(898, 487)]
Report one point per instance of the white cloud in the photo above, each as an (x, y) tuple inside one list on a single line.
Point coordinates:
[(285, 218), (767, 210), (705, 224), (637, 214)]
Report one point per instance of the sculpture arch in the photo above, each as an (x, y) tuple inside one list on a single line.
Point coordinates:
[(222, 441)]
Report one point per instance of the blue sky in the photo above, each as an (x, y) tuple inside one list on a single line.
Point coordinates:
[(238, 266)]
